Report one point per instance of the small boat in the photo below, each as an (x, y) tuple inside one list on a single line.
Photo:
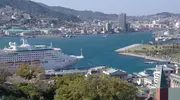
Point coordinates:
[(150, 62), (69, 36), (29, 36), (105, 35)]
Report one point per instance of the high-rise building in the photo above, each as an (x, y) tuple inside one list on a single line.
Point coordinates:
[(128, 26), (108, 27), (122, 21)]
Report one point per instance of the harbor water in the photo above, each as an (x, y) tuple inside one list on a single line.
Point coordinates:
[(97, 50)]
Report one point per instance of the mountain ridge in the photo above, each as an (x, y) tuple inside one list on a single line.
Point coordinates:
[(34, 8), (86, 14), (64, 13)]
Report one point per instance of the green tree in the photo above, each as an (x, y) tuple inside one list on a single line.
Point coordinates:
[(11, 93), (29, 72), (37, 71), (95, 88), (49, 93), (67, 79), (156, 46), (24, 71), (27, 91), (3, 75), (30, 90)]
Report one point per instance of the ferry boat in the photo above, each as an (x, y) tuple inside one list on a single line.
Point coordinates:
[(36, 55)]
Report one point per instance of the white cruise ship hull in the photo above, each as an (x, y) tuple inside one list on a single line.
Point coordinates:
[(53, 64), (35, 55)]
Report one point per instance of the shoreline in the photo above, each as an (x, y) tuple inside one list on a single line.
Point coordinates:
[(119, 51), (127, 47), (60, 36), (144, 57)]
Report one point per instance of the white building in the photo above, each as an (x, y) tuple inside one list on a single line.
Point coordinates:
[(144, 78), (26, 16), (149, 81), (110, 72), (108, 27), (175, 78), (122, 21)]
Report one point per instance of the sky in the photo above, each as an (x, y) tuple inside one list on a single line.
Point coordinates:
[(131, 7)]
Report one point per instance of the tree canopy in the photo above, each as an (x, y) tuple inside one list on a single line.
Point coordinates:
[(71, 87), (94, 88), (29, 72), (3, 75)]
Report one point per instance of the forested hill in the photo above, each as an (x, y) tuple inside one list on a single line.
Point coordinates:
[(36, 9)]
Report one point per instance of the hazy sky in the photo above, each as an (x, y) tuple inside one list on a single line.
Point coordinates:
[(131, 7)]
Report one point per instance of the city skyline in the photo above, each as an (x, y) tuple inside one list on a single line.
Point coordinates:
[(138, 7)]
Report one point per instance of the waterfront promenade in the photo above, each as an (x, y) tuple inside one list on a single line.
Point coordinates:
[(124, 51)]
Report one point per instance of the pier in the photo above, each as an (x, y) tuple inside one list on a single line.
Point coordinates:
[(128, 47)]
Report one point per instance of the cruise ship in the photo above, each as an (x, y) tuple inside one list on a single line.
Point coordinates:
[(35, 55)]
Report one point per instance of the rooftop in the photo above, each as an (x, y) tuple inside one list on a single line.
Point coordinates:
[(111, 70), (115, 72), (165, 67), (119, 73), (150, 78)]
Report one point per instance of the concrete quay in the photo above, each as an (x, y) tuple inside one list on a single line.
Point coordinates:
[(128, 47)]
